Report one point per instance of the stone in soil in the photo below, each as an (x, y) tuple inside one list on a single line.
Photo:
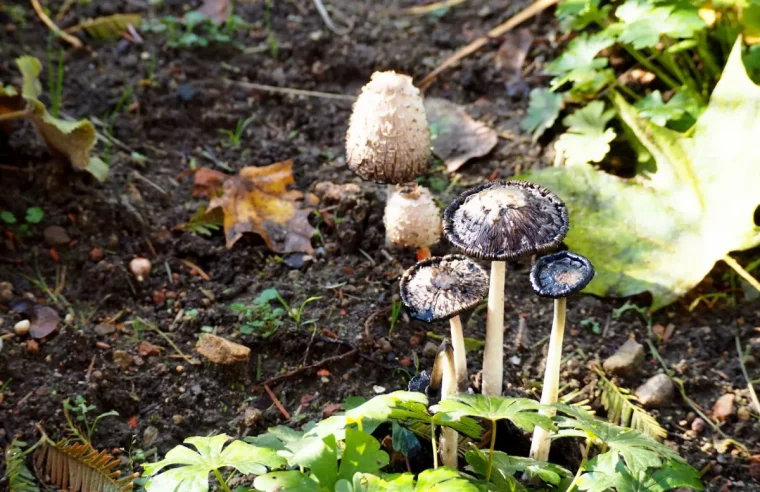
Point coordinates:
[(656, 391), (222, 351), (104, 329), (56, 236), (22, 327), (430, 350), (6, 292), (123, 359), (627, 361), (724, 407)]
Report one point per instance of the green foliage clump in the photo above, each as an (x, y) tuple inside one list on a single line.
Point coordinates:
[(260, 317), (195, 30), (343, 453)]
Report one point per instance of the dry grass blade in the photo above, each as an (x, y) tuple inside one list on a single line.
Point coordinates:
[(109, 26), (79, 468), (72, 40), (530, 11), (622, 409), (431, 7)]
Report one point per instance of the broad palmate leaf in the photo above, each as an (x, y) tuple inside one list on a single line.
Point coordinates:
[(607, 472), (209, 454), (520, 411), (664, 230)]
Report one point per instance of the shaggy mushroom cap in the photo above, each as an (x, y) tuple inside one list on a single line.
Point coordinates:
[(412, 218), (560, 274), (388, 139), (441, 288), (506, 220)]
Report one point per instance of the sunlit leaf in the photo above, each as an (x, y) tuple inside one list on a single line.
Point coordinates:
[(292, 481), (543, 110), (520, 411), (607, 472), (502, 478), (587, 139), (663, 231)]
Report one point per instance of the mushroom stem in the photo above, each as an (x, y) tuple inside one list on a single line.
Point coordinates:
[(449, 437), (493, 354), (539, 448), (460, 355)]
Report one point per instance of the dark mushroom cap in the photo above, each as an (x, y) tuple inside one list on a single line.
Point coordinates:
[(560, 274), (506, 220), (442, 287)]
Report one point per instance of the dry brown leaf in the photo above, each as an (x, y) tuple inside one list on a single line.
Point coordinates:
[(44, 321), (208, 182), (216, 10), (511, 57), (258, 201), (457, 138)]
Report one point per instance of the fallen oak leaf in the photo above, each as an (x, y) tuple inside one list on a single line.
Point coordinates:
[(258, 201), (457, 138), (208, 182)]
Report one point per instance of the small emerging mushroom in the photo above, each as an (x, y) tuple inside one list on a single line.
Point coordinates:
[(140, 268), (443, 379), (388, 139), (556, 276), (500, 221), (442, 288), (412, 219)]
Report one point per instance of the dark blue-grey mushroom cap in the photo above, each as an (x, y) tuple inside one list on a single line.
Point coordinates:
[(440, 288), (506, 220), (560, 274)]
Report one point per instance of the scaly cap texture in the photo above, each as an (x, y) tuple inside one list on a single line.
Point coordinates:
[(388, 139), (412, 219)]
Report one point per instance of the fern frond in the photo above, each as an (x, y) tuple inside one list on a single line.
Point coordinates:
[(571, 398), (79, 468), (17, 475), (622, 408), (109, 26)]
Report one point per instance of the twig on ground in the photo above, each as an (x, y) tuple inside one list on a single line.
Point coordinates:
[(72, 40), (195, 268), (329, 22), (151, 183), (310, 367), (277, 403), (431, 7), (90, 368), (750, 387), (530, 11), (371, 318), (289, 91), (742, 272)]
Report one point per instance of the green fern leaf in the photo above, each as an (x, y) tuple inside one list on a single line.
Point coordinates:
[(622, 409), (17, 475)]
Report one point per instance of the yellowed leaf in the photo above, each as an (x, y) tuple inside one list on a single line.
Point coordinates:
[(258, 200)]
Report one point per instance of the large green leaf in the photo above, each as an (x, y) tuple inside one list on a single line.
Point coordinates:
[(587, 138), (520, 411), (663, 231), (210, 454), (502, 478), (608, 472), (361, 455), (321, 457), (292, 481)]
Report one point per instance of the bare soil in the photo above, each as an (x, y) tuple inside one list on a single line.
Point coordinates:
[(135, 211)]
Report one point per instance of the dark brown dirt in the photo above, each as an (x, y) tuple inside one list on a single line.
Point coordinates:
[(134, 212)]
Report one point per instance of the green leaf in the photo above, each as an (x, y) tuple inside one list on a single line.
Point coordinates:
[(655, 110), (545, 471), (30, 68), (644, 22), (501, 477), (34, 215), (210, 454), (7, 217), (362, 454), (543, 110), (663, 232), (639, 451), (98, 168), (365, 482), (520, 411), (292, 481), (606, 471), (266, 296), (470, 344), (443, 479), (321, 457), (404, 441), (578, 63), (586, 139), (575, 15)]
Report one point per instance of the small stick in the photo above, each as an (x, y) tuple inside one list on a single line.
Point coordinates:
[(195, 268), (89, 369), (311, 367), (277, 403), (329, 22), (289, 91), (750, 388), (530, 11), (72, 40), (431, 7), (742, 272)]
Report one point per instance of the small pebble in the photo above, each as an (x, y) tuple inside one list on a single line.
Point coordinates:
[(177, 419), (378, 389), (724, 407), (104, 329), (180, 368), (149, 436), (22, 327), (56, 236), (430, 349), (32, 346), (698, 425), (656, 391), (743, 414), (6, 292), (96, 254)]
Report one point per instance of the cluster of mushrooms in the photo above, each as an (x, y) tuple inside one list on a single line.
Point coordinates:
[(388, 141)]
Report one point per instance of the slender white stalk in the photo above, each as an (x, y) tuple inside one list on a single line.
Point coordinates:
[(449, 437), (539, 447), (493, 354), (460, 356)]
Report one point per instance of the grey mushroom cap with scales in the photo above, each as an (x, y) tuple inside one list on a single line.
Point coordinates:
[(556, 276), (501, 221), (440, 289)]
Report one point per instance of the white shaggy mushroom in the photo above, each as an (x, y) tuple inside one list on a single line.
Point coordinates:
[(388, 139), (412, 218)]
